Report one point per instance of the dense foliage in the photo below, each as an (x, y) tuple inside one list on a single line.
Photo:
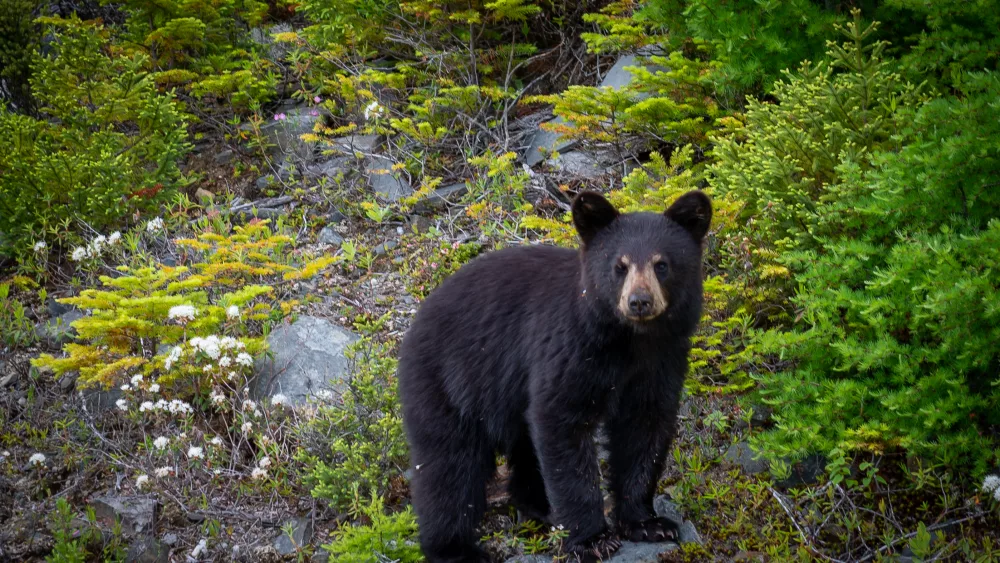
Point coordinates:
[(896, 346), (106, 143)]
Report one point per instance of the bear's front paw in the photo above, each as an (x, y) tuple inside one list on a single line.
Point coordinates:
[(652, 530), (598, 548)]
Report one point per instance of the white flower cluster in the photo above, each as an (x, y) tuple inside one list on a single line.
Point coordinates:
[(373, 110), (161, 442), (92, 250), (233, 312), (279, 400), (154, 225), (991, 484), (182, 313), (37, 459), (141, 481), (195, 452), (175, 354), (213, 346), (244, 359), (251, 406), (40, 246), (174, 406)]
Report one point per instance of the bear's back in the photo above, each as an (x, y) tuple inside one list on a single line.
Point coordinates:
[(473, 337)]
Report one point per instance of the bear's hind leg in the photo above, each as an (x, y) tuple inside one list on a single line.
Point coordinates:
[(526, 487), (452, 464)]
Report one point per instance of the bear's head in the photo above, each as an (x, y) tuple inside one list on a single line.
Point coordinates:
[(646, 267)]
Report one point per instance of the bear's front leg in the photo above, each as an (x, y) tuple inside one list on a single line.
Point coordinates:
[(568, 461), (639, 437)]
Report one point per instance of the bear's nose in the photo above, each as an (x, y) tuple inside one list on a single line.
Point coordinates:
[(640, 304)]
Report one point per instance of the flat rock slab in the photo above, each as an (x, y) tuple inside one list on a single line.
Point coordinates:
[(302, 531), (636, 552), (740, 454), (549, 140), (580, 165), (616, 78), (383, 178), (137, 514), (630, 552), (59, 330), (308, 358), (354, 144)]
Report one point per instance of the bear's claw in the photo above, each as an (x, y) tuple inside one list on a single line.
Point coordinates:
[(654, 530), (598, 548)]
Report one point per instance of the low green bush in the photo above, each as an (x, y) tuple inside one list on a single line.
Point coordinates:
[(106, 144), (354, 445), (899, 300), (386, 537)]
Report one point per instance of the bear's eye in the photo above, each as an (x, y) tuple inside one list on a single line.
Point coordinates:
[(621, 268), (661, 268)]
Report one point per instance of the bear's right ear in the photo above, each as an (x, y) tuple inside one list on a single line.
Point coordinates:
[(693, 211), (591, 213)]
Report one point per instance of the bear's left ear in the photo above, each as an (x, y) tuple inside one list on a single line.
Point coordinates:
[(591, 213), (693, 211)]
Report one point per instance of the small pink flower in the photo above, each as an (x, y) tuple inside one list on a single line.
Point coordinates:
[(279, 117), (317, 99), (314, 113), (434, 265)]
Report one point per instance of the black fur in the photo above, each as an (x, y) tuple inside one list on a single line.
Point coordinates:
[(524, 351)]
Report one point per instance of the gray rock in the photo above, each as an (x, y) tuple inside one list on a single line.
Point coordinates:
[(530, 559), (740, 454), (284, 135), (384, 180), (201, 194), (320, 556), (762, 416), (385, 247), (58, 331), (805, 472), (439, 198), (137, 514), (276, 51), (308, 357), (330, 168), (302, 531), (336, 217), (419, 223), (630, 552), (329, 236), (355, 144), (264, 181), (224, 157), (549, 141), (68, 382), (148, 550), (98, 399), (170, 539), (56, 308), (579, 164), (635, 552), (689, 534), (666, 508), (616, 78)]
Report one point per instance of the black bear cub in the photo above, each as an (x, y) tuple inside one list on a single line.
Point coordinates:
[(525, 351)]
